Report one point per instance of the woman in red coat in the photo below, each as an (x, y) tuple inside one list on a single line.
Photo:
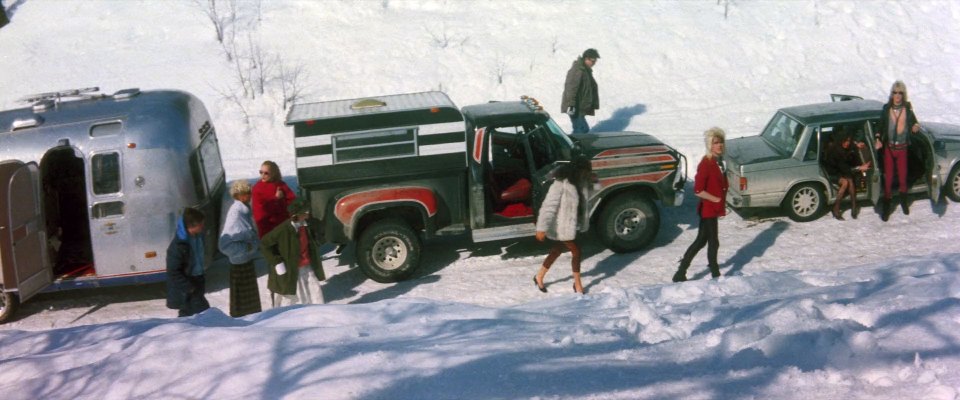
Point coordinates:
[(710, 186), (271, 197)]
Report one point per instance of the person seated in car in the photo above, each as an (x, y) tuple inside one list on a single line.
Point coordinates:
[(840, 162)]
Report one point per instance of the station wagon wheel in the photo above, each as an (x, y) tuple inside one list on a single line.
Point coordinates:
[(805, 202), (628, 223), (953, 184), (9, 302), (389, 251)]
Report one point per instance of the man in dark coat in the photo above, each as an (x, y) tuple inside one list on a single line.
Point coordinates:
[(294, 271), (185, 281), (580, 94)]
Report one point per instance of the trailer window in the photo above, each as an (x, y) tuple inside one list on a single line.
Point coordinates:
[(210, 162), (103, 210), (374, 145), (108, 129), (105, 169)]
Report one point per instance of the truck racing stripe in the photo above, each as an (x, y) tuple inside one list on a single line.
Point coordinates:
[(632, 161), (348, 206), (446, 127), (315, 161), (440, 138), (631, 151), (444, 148), (652, 177)]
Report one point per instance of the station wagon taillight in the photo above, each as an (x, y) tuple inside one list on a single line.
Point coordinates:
[(743, 183)]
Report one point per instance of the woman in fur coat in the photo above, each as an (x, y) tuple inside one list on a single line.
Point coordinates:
[(710, 185), (563, 214), (240, 244)]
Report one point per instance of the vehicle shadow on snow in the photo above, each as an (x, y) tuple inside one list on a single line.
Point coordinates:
[(442, 252)]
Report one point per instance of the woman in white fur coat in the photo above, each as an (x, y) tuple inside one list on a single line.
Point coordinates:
[(563, 214), (239, 243)]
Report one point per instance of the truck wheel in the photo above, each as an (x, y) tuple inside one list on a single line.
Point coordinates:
[(389, 251), (953, 184), (805, 202), (9, 302), (628, 223)]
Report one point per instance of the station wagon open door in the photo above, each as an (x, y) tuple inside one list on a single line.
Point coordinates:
[(24, 263), (934, 180)]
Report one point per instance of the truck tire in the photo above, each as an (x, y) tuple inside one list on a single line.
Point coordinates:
[(952, 186), (628, 223), (9, 302), (388, 251), (805, 202)]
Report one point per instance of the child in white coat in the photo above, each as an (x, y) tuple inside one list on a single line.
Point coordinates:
[(563, 214)]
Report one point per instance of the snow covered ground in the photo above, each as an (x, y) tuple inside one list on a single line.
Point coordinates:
[(822, 310)]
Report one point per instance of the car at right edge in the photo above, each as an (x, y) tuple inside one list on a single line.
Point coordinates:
[(782, 166)]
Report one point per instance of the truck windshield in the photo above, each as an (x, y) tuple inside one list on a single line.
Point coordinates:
[(783, 133), (549, 144), (557, 131)]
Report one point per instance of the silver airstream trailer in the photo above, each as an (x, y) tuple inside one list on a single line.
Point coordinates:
[(91, 186)]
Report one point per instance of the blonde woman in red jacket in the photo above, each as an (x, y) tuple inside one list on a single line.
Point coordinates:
[(710, 186)]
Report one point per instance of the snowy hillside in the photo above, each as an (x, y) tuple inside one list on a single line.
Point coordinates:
[(823, 310)]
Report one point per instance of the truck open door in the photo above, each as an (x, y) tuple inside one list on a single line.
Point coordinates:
[(24, 262)]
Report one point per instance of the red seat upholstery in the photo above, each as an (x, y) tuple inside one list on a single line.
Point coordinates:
[(518, 192)]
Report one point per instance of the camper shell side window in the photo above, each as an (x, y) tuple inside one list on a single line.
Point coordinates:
[(374, 145)]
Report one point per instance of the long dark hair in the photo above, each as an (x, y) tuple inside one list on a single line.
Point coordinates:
[(578, 172)]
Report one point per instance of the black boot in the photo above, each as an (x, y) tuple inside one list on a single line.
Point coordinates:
[(855, 211), (715, 271), (903, 204), (681, 275), (885, 209)]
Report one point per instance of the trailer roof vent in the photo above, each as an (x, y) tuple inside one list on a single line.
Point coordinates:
[(56, 96), (44, 105), (24, 123), (367, 103), (126, 93)]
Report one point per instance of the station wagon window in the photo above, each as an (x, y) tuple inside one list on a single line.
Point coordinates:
[(855, 129), (105, 169), (108, 129), (783, 133), (374, 145)]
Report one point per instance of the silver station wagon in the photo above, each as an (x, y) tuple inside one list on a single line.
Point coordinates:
[(782, 166)]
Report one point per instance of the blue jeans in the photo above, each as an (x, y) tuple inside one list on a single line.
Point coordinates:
[(579, 123)]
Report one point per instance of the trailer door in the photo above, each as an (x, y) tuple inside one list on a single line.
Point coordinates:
[(23, 239)]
